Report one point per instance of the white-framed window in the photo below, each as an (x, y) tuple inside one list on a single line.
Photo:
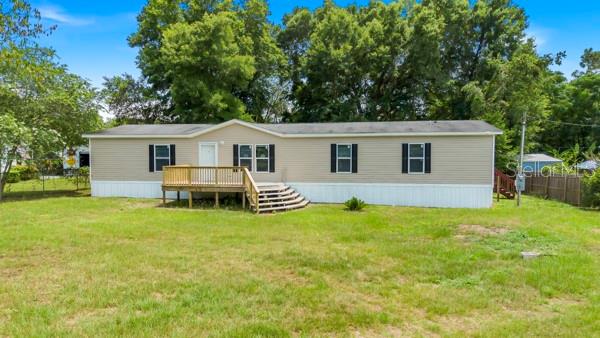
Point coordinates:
[(344, 158), (262, 158), (162, 156), (245, 154), (416, 158)]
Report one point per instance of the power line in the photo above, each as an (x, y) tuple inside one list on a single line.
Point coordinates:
[(574, 124)]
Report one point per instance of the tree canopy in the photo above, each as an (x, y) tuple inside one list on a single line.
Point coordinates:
[(43, 107), (404, 60), (216, 60)]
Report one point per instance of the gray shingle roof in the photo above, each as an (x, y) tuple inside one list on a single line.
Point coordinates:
[(381, 127), (397, 127), (154, 129), (539, 158)]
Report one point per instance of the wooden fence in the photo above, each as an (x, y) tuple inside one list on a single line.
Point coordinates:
[(562, 188)]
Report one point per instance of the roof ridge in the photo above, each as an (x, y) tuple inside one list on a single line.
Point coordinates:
[(308, 129)]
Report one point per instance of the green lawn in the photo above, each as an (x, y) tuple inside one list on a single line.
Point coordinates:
[(86, 266), (37, 188)]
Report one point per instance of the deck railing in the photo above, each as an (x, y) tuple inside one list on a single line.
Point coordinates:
[(203, 176), (251, 189), (212, 177)]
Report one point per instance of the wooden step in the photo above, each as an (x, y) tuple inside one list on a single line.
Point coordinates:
[(286, 207), (276, 193), (272, 188), (279, 198), (296, 200)]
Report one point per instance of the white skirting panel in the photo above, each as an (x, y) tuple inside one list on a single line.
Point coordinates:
[(418, 195), (140, 189)]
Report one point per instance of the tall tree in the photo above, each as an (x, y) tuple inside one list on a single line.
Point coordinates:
[(575, 107), (407, 60), (217, 60), (43, 107), (133, 101)]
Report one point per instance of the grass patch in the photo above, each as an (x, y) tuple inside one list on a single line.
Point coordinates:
[(125, 267), (54, 187)]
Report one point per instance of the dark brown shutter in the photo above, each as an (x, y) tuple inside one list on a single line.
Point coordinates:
[(151, 158), (405, 158), (355, 158), (172, 154), (271, 158), (333, 158), (236, 155), (427, 158)]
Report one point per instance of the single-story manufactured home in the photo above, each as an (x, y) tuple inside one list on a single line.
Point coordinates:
[(416, 163)]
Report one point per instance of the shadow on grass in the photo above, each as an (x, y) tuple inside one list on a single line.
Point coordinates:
[(203, 204)]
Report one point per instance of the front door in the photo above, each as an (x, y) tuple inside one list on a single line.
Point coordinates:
[(208, 155), (207, 158)]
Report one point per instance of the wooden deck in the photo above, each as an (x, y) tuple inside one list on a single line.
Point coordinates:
[(211, 179)]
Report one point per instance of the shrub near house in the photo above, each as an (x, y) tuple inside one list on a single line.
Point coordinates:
[(22, 173), (591, 190)]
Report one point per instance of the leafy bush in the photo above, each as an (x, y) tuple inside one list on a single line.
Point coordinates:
[(22, 173), (355, 204), (28, 172), (591, 190), (84, 171), (13, 176)]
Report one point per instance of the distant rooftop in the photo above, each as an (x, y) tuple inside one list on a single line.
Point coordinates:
[(589, 165), (540, 158), (395, 127)]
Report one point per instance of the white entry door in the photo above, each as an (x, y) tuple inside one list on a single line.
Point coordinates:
[(208, 154), (207, 157)]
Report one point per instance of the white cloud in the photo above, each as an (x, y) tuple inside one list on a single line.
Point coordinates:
[(539, 34), (58, 15)]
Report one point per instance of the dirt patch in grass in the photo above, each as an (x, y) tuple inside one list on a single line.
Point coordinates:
[(480, 230), (139, 204), (477, 320), (466, 232), (409, 329), (88, 315), (285, 276)]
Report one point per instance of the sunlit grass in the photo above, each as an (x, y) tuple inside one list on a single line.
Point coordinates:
[(86, 266), (51, 187)]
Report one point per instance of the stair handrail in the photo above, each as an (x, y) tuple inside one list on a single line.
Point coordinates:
[(251, 189), (502, 180)]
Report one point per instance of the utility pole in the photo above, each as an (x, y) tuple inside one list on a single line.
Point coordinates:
[(520, 173)]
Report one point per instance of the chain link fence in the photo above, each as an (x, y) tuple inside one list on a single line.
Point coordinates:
[(45, 178)]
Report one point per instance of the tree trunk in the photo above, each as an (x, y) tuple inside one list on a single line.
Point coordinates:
[(4, 171), (1, 187), (3, 177)]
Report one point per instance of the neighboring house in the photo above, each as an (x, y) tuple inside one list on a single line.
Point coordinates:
[(75, 158), (422, 163), (21, 155), (589, 165), (534, 163)]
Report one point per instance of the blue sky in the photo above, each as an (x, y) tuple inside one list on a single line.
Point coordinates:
[(91, 35)]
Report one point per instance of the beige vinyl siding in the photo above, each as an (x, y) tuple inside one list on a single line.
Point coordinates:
[(454, 160), (127, 159)]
